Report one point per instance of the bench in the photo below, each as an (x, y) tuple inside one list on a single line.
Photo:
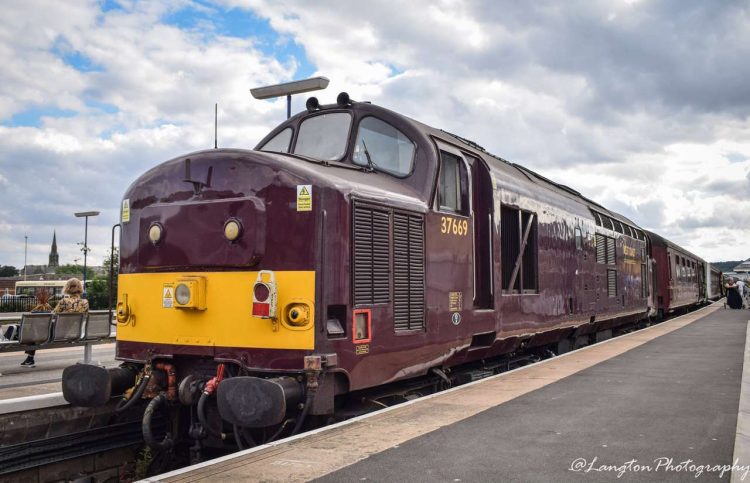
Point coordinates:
[(46, 330)]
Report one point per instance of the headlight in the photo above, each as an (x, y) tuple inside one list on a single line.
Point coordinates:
[(182, 294), (154, 233), (232, 229)]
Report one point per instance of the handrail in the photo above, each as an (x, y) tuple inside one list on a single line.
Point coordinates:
[(112, 271)]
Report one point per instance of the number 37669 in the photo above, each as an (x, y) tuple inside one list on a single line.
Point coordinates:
[(449, 225)]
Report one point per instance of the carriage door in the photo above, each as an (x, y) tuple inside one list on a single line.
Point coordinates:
[(482, 206)]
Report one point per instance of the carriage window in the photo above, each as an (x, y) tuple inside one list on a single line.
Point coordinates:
[(386, 147), (280, 142), (453, 191), (579, 238), (669, 266), (324, 136)]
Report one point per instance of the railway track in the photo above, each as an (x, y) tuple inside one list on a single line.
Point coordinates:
[(56, 449)]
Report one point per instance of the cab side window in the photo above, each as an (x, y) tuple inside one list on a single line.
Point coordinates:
[(453, 186), (280, 142)]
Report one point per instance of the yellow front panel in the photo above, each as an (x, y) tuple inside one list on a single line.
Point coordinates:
[(226, 320)]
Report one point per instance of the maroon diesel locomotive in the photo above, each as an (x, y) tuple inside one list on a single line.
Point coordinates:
[(355, 247)]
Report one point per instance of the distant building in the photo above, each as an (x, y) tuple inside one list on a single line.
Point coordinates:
[(743, 270), (54, 258), (49, 269), (8, 285)]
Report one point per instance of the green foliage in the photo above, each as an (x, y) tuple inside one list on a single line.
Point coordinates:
[(74, 271), (8, 271), (726, 266), (98, 289), (98, 294), (142, 463)]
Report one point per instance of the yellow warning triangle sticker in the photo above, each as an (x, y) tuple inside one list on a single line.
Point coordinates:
[(168, 293), (304, 192)]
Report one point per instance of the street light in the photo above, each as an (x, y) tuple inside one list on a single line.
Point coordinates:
[(85, 214), (25, 249), (288, 89)]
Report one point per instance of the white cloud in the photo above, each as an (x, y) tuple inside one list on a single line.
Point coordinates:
[(642, 106)]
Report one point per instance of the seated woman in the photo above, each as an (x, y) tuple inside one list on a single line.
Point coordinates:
[(71, 302)]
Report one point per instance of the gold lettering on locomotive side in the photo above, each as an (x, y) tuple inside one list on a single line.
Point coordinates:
[(361, 349), (628, 251), (455, 301), (453, 226)]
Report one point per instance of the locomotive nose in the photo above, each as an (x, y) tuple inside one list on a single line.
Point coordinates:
[(215, 233)]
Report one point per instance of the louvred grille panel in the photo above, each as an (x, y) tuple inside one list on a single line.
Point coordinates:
[(408, 271), (371, 256), (383, 256)]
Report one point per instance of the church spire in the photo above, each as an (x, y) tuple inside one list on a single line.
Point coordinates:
[(54, 258)]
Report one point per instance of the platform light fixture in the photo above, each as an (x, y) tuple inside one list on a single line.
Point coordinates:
[(288, 89), (85, 215)]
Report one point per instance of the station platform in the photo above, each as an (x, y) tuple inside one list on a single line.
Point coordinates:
[(17, 381), (660, 404)]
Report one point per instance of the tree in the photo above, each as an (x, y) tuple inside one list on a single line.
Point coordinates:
[(74, 271), (98, 290), (8, 271)]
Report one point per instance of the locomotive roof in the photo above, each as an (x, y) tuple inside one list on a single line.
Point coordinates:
[(518, 170), (513, 169)]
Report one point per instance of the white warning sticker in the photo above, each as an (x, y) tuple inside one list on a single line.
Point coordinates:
[(167, 296), (304, 197)]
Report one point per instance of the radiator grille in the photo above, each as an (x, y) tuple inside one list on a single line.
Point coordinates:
[(605, 249), (408, 271), (610, 251), (612, 283), (601, 248), (371, 255)]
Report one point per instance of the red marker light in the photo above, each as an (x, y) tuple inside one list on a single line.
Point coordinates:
[(261, 310), (264, 295)]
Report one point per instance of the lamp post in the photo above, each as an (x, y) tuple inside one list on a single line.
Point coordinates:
[(85, 215), (288, 89), (25, 250)]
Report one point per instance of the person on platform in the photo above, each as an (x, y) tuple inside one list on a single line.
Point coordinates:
[(71, 302), (734, 299), (741, 288)]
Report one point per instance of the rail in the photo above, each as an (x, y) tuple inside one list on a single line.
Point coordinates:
[(32, 454)]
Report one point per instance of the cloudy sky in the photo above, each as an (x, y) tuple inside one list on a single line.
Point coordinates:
[(640, 105)]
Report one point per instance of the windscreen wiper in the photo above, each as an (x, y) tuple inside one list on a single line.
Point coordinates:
[(370, 164)]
